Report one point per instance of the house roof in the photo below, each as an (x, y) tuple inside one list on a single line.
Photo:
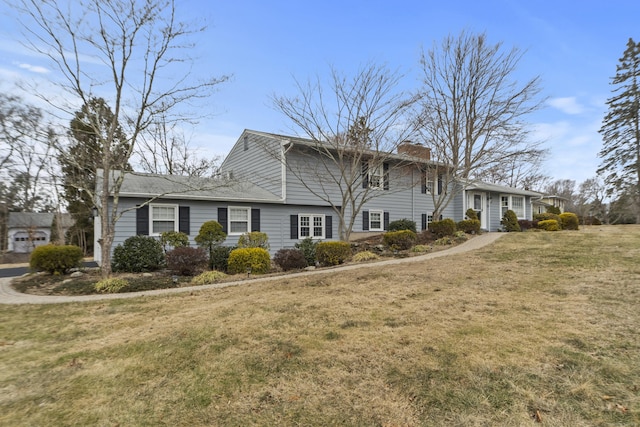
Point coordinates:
[(495, 188), (193, 188), (295, 140), (37, 220)]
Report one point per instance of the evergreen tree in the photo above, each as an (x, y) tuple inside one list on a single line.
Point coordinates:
[(79, 162), (620, 131)]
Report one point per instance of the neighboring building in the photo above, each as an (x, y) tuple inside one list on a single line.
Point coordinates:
[(541, 205), (28, 230), (258, 191)]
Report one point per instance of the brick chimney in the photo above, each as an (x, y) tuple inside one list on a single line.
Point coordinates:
[(414, 150)]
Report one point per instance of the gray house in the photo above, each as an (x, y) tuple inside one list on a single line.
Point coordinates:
[(276, 184), (28, 230)]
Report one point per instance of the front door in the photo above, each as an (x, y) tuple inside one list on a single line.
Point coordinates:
[(477, 202)]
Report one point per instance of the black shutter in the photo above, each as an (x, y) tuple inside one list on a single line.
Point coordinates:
[(255, 219), (184, 224), (328, 231), (439, 184), (424, 222), (386, 221), (222, 219), (142, 220), (385, 176), (365, 220), (294, 226), (423, 190), (365, 175)]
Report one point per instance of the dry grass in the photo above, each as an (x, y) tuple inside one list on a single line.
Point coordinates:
[(537, 327)]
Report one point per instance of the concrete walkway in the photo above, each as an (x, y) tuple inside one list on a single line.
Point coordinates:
[(9, 296)]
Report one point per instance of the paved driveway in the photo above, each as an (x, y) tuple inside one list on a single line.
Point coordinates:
[(9, 296)]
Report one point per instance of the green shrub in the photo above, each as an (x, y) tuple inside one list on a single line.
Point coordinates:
[(549, 225), (472, 214), (460, 236), (510, 221), (546, 216), (400, 240), (444, 241), (402, 224), (569, 221), (208, 277), (255, 259), (471, 226), (553, 210), (55, 259), (290, 259), (525, 224), (138, 253), (446, 227), (111, 285), (210, 236), (365, 256), (308, 248), (187, 261), (219, 258), (255, 239), (173, 239), (332, 253)]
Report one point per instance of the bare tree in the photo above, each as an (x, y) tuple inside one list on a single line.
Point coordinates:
[(128, 52), (473, 110), (166, 150), (590, 200), (352, 123), (564, 188)]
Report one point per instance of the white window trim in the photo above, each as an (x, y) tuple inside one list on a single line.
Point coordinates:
[(381, 220), (377, 171), (311, 218), (176, 218), (238, 233), (510, 207)]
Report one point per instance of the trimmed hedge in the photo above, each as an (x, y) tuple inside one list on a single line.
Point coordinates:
[(546, 216), (470, 226), (402, 224), (400, 240), (138, 254), (243, 259), (569, 221), (332, 253), (549, 225), (56, 259), (443, 228)]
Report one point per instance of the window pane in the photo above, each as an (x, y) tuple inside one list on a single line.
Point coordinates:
[(239, 214), (375, 220), (518, 206), (162, 226), (164, 212), (318, 227), (477, 202), (304, 226), (238, 227)]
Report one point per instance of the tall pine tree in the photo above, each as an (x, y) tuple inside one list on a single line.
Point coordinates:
[(620, 131)]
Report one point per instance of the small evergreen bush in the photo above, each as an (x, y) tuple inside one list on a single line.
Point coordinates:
[(510, 221), (173, 239), (219, 258), (332, 253), (443, 228), (308, 248), (400, 240), (111, 285), (255, 239), (471, 226), (187, 261), (365, 256), (290, 259), (460, 236), (569, 221), (137, 254), (55, 259), (208, 277), (243, 259), (210, 237), (553, 210), (444, 241), (549, 225), (546, 216), (471, 214), (402, 224)]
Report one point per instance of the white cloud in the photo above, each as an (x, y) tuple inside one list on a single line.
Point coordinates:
[(568, 105), (33, 68)]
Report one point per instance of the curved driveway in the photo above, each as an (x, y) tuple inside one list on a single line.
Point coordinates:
[(10, 296)]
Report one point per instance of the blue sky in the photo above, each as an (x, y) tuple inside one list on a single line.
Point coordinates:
[(573, 46)]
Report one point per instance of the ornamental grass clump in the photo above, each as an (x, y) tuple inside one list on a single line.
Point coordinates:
[(111, 285), (365, 256), (208, 277)]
